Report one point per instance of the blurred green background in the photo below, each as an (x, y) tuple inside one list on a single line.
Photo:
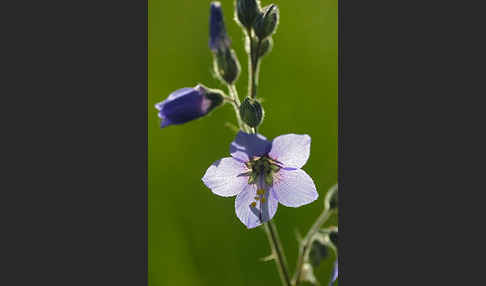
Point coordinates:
[(194, 236)]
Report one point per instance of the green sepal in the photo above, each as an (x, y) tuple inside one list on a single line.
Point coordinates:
[(226, 65), (251, 112), (247, 11), (266, 22), (319, 251)]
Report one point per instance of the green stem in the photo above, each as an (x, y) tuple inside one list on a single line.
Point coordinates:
[(277, 252), (306, 243), (236, 105), (250, 64), (256, 69), (253, 62), (234, 93)]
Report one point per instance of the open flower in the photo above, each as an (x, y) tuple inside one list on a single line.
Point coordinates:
[(261, 174), (187, 104)]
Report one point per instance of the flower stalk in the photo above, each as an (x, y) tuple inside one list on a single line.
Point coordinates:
[(277, 252), (236, 105)]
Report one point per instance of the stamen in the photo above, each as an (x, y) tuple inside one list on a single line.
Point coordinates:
[(253, 204), (261, 192), (262, 200)]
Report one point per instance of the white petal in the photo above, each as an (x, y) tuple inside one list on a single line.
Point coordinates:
[(254, 216), (291, 150), (226, 177), (294, 188)]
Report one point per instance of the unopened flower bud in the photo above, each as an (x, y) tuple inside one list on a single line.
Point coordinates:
[(226, 65), (318, 253), (186, 104), (266, 22), (218, 39), (247, 11), (251, 112), (265, 46)]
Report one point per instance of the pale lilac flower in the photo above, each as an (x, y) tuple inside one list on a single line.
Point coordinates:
[(261, 174)]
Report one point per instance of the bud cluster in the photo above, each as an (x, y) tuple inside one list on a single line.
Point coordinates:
[(259, 25), (263, 21)]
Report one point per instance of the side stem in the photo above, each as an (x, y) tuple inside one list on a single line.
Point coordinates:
[(306, 244), (236, 105)]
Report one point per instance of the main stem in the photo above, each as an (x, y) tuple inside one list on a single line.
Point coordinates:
[(270, 229), (253, 61), (277, 252), (306, 244)]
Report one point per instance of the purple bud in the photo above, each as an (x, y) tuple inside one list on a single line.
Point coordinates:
[(218, 39), (187, 104)]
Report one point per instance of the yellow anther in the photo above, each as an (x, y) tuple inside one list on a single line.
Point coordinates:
[(263, 199), (257, 198), (261, 191), (253, 204)]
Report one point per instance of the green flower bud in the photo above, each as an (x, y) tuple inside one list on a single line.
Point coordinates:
[(318, 253), (247, 11), (265, 47), (226, 65), (266, 22), (251, 112), (325, 241)]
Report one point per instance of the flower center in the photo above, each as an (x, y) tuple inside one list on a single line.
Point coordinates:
[(262, 167)]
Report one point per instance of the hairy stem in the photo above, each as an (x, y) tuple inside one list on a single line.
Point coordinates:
[(234, 92), (236, 105), (253, 62), (306, 243), (277, 252)]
